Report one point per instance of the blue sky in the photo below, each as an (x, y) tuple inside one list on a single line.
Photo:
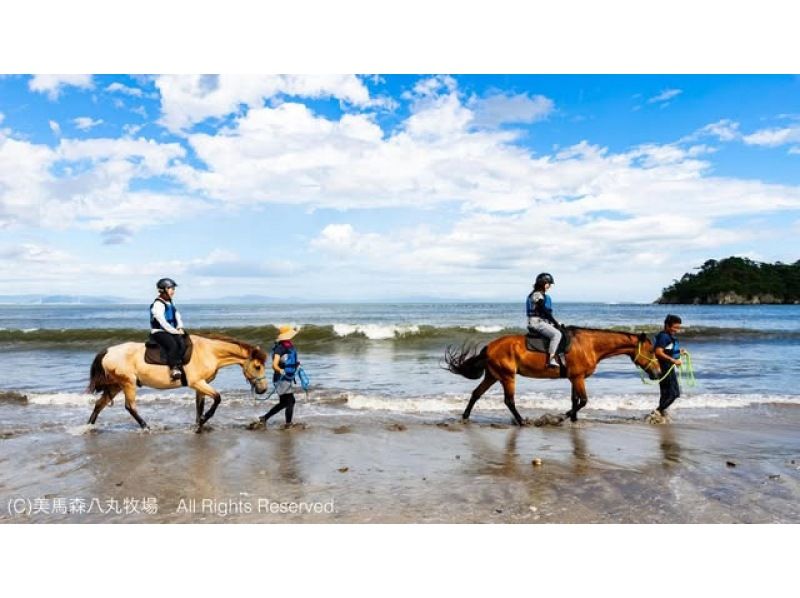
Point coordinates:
[(390, 187)]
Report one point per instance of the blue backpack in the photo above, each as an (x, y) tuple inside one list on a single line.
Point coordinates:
[(291, 367)]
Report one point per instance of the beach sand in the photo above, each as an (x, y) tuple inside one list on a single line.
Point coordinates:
[(740, 466)]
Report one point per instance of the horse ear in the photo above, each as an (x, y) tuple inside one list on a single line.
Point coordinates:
[(642, 337)]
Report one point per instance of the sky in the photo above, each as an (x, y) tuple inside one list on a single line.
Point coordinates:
[(392, 188)]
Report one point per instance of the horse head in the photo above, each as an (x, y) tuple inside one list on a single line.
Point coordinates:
[(645, 358), (254, 370)]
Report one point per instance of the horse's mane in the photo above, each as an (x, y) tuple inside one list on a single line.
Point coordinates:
[(257, 352), (579, 328)]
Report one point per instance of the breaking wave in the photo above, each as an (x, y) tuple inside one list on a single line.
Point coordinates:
[(318, 336)]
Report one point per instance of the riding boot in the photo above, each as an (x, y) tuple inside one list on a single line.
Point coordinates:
[(553, 363)]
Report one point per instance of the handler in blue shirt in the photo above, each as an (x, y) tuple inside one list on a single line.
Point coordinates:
[(668, 353), (284, 365)]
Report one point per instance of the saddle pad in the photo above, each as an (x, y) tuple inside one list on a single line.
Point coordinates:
[(538, 343), (154, 355)]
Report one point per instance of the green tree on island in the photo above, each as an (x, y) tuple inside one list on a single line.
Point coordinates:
[(736, 280)]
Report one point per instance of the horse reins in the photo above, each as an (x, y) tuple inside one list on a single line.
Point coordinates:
[(685, 368)]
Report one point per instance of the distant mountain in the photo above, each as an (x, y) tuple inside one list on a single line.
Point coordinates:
[(736, 281), (229, 300), (59, 300)]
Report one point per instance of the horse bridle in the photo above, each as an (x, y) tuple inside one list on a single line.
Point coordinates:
[(255, 379), (650, 360)]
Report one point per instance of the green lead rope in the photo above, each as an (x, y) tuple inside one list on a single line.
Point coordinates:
[(685, 369), (304, 383)]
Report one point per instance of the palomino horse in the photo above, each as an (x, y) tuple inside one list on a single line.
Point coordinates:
[(122, 367), (505, 357)]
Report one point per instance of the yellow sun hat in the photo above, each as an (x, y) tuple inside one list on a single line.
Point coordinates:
[(286, 333)]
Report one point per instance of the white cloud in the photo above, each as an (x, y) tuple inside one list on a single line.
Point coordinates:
[(583, 208), (271, 154), (665, 96), (774, 136), (24, 169), (190, 99), (727, 130), (342, 240), (228, 264), (724, 130), (510, 249), (152, 158), (52, 85), (498, 108), (117, 87), (439, 118), (43, 269), (288, 153), (131, 130), (55, 128), (84, 123), (429, 87), (87, 184), (32, 253)]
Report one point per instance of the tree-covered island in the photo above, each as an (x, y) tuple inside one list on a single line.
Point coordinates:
[(736, 281)]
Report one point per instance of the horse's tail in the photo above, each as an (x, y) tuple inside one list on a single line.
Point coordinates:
[(98, 381), (465, 362)]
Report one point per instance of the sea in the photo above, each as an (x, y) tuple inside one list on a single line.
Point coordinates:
[(384, 361)]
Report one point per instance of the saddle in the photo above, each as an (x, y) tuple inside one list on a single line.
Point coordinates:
[(536, 342), (154, 353)]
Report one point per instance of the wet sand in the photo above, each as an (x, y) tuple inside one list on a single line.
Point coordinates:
[(738, 466)]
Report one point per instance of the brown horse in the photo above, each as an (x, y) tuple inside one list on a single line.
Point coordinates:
[(122, 367), (505, 357)]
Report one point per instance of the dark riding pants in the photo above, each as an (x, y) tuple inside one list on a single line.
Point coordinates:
[(286, 402), (670, 390), (174, 346)]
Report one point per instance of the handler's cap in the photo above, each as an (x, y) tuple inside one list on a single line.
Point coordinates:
[(286, 332)]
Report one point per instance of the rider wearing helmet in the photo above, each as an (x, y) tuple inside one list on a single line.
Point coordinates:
[(166, 326), (539, 308)]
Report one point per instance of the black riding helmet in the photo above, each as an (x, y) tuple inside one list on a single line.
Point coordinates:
[(544, 278), (166, 283)]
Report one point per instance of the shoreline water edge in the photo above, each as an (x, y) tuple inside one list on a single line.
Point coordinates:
[(380, 437)]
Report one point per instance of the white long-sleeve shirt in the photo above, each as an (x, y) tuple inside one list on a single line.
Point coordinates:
[(159, 310)]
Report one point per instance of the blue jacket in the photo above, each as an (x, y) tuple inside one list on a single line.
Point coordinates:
[(539, 305)]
